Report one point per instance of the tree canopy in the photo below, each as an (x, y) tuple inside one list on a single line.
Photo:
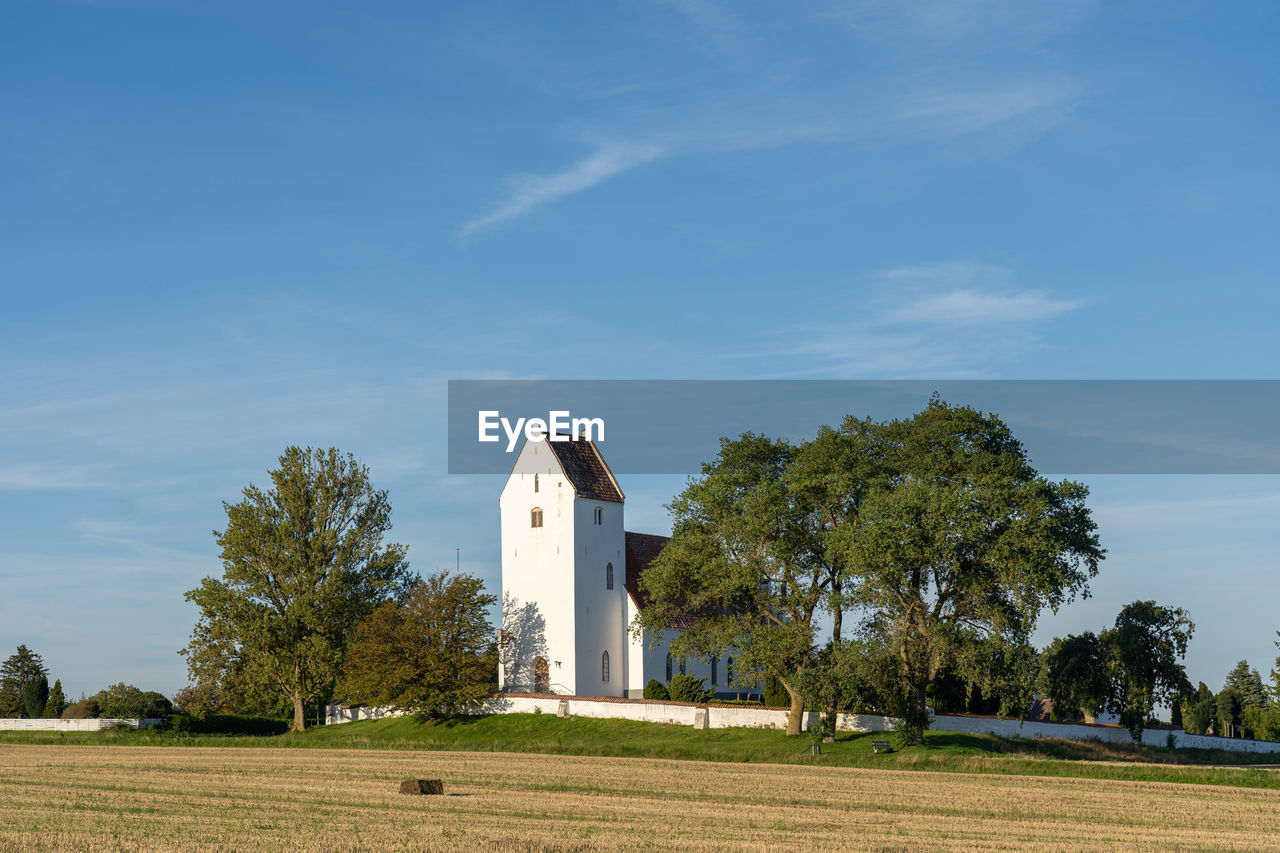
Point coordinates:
[(432, 654), (934, 532), (741, 569), (1144, 653), (303, 563), (1074, 675), (17, 671), (963, 544)]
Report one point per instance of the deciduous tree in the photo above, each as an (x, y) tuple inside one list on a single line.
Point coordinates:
[(303, 563), (1075, 675), (741, 571), (964, 544), (432, 655), (1144, 651)]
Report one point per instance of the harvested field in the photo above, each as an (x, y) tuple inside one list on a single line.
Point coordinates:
[(156, 798)]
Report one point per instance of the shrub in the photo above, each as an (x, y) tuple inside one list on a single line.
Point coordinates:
[(128, 702), (655, 689), (83, 710), (227, 724), (775, 695), (688, 688)]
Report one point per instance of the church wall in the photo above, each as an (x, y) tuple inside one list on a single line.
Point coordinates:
[(537, 562), (600, 612)]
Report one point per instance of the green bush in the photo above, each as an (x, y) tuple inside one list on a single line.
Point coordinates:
[(688, 688), (126, 701), (85, 709), (655, 689), (775, 695), (227, 724)]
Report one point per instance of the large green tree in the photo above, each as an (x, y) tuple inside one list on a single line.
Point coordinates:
[(432, 655), (18, 670), (828, 479), (742, 573), (303, 563), (962, 547), (1144, 652), (1074, 675)]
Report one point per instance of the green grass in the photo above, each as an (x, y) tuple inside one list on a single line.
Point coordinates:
[(546, 733)]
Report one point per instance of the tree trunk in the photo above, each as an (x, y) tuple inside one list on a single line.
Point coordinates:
[(299, 713), (795, 716), (916, 694)]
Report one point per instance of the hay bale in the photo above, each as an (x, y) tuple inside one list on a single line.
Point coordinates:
[(422, 786)]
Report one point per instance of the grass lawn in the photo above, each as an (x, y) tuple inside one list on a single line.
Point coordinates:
[(546, 733)]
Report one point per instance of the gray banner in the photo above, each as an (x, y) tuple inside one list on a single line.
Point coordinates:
[(1068, 426)]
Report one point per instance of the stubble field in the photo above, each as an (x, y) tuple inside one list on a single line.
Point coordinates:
[(158, 798)]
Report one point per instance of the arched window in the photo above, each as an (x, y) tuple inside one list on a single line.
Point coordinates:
[(715, 661), (535, 482), (599, 515), (668, 666), (604, 667), (608, 576), (535, 517), (728, 671)]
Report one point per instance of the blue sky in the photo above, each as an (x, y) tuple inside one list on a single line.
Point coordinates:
[(232, 227)]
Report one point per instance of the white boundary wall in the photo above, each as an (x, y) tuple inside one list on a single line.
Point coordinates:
[(93, 724), (729, 716)]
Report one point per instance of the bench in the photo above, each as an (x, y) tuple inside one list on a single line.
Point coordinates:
[(881, 746)]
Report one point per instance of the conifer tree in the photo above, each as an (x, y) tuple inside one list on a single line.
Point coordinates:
[(15, 672), (56, 703), (34, 695)]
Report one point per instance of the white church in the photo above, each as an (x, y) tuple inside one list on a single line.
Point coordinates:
[(569, 561)]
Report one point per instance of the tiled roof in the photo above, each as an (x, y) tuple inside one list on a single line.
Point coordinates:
[(586, 469), (642, 548)]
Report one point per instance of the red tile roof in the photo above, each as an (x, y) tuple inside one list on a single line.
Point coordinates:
[(642, 548), (586, 469)]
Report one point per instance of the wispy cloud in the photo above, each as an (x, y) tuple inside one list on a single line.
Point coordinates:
[(50, 477), (957, 318), (527, 192), (976, 307)]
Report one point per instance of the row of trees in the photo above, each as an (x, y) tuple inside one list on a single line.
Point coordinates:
[(930, 545), (1127, 670), (25, 693), (1245, 707), (312, 601)]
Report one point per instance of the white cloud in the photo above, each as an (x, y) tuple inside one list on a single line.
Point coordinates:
[(48, 476), (956, 318), (528, 192), (972, 307)]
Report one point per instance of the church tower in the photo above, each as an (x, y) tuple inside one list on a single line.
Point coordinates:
[(564, 562)]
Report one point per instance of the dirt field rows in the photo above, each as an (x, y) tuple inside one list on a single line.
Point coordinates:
[(155, 798)]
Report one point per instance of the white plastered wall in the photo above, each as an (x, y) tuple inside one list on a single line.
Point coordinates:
[(538, 562)]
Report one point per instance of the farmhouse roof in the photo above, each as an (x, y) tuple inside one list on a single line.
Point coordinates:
[(586, 469), (642, 548)]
